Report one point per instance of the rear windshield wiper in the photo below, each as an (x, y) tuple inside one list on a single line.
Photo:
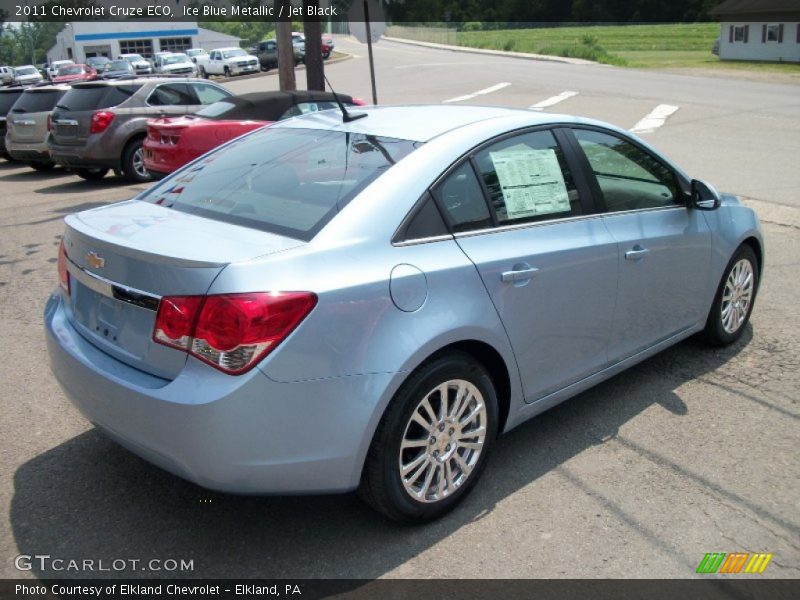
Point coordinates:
[(63, 107)]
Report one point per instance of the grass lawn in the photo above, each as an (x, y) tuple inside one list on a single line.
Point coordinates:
[(643, 46)]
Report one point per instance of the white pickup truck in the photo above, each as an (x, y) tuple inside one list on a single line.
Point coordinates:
[(227, 62)]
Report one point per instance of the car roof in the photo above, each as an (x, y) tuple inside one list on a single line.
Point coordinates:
[(269, 106), (227, 48), (420, 123)]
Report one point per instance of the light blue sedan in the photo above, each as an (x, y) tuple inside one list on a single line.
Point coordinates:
[(331, 304)]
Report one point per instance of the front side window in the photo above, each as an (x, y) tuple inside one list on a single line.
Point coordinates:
[(285, 181), (628, 177), (528, 179)]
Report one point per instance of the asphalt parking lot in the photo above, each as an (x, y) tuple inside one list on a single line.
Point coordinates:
[(692, 451)]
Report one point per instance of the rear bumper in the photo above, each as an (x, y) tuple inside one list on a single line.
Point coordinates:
[(28, 151), (89, 155), (245, 434)]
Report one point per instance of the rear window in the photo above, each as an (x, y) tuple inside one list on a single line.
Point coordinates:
[(34, 102), (95, 97), (70, 70), (285, 181), (7, 100)]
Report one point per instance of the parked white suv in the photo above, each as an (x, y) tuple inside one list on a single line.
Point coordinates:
[(176, 63), (6, 75), (227, 62)]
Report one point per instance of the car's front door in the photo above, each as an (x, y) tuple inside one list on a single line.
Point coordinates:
[(664, 246), (550, 269)]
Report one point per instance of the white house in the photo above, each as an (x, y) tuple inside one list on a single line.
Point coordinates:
[(767, 30), (80, 40)]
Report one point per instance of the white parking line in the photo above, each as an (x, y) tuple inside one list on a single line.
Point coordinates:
[(655, 119), (553, 100), (489, 90)]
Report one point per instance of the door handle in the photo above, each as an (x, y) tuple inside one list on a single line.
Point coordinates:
[(519, 275), (636, 253)]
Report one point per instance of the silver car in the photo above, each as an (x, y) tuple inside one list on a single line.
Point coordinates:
[(28, 125), (364, 302)]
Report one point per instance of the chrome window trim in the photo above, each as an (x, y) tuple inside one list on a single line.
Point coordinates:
[(427, 240), (111, 289), (516, 226)]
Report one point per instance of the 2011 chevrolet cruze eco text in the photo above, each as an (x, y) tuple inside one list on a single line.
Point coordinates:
[(332, 304)]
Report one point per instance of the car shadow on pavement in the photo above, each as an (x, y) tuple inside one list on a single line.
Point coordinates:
[(79, 185), (89, 498), (32, 174)]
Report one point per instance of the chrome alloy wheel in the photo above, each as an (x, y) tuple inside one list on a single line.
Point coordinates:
[(443, 441), (737, 296), (138, 162)]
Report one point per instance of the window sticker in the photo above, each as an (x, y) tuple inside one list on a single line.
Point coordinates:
[(531, 181)]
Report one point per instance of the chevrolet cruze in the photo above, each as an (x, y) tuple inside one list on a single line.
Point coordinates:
[(365, 301)]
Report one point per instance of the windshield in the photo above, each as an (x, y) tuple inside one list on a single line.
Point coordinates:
[(175, 58), (232, 53), (133, 57), (26, 71), (119, 65), (285, 181), (196, 51), (71, 70), (215, 110)]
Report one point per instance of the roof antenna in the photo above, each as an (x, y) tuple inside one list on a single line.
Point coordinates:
[(346, 116)]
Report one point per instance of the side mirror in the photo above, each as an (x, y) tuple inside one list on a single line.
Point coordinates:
[(703, 196)]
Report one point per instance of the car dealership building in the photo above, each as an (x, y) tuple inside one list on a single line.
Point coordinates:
[(80, 40)]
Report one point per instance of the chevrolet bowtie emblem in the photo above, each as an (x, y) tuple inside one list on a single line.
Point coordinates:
[(95, 260)]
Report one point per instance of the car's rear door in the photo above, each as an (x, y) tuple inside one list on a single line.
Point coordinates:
[(548, 265), (664, 246)]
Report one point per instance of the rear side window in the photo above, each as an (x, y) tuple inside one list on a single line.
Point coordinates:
[(33, 102), (96, 97), (7, 100), (286, 181)]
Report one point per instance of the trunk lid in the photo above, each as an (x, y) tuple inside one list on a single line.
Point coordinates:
[(27, 120), (124, 257)]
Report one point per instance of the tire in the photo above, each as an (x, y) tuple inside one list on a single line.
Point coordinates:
[(133, 162), (227, 72), (419, 497), (734, 300), (41, 166), (91, 174), (203, 73), (326, 55)]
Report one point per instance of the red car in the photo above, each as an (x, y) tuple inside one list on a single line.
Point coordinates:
[(173, 142), (73, 73)]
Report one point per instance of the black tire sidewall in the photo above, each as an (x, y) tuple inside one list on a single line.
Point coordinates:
[(714, 332), (456, 366), (91, 174)]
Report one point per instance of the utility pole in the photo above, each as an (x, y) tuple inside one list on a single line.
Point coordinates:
[(283, 35), (315, 68)]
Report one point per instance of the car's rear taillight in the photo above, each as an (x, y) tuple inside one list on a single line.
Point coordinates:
[(231, 332), (63, 273), (101, 119)]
